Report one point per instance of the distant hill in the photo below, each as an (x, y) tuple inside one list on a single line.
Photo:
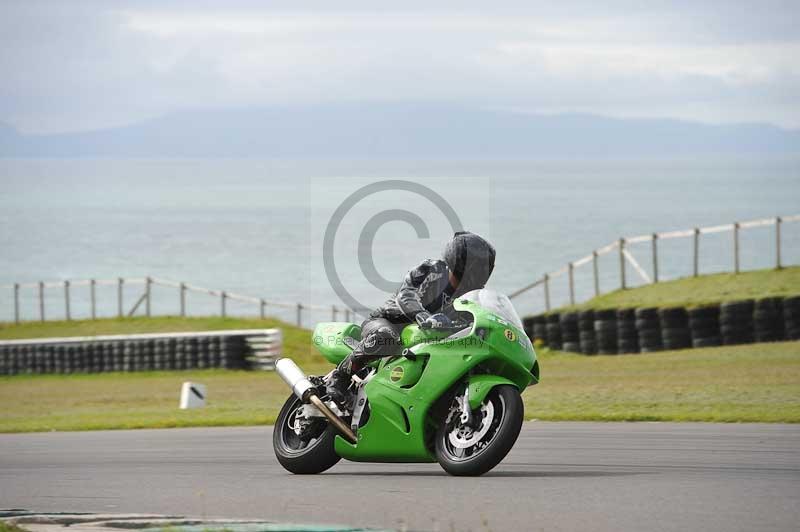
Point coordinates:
[(404, 131)]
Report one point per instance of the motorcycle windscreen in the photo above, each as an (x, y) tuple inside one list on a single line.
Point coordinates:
[(496, 303)]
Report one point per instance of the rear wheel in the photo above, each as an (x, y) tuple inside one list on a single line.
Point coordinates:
[(473, 449), (303, 446)]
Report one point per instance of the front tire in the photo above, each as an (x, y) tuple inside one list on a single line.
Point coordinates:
[(472, 451), (308, 453)]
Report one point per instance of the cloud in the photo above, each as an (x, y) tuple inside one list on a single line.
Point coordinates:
[(64, 67)]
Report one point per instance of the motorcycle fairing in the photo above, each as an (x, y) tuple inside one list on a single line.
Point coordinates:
[(399, 429)]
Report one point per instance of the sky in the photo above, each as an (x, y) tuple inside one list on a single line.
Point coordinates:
[(71, 66)]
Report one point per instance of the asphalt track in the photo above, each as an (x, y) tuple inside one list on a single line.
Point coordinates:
[(560, 476)]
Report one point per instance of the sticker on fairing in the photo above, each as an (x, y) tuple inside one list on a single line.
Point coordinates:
[(396, 374), (510, 335)]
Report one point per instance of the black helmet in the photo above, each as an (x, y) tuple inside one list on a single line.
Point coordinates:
[(471, 259)]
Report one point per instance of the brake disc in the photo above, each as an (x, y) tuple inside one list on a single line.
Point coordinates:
[(464, 437)]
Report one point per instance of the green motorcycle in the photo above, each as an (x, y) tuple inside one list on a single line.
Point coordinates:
[(452, 396)]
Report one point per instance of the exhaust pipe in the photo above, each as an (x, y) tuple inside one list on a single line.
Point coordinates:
[(306, 392), (295, 378)]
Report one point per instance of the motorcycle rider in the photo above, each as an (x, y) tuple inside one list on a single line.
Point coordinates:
[(424, 297)]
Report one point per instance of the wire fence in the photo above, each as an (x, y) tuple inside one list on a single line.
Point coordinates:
[(630, 271), (150, 296)]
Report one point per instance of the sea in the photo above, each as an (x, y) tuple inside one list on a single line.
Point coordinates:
[(344, 233)]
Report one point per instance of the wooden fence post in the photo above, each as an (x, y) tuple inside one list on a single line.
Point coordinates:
[(299, 314), (66, 301), (93, 297), (778, 222), (147, 283), (183, 299), (570, 269), (120, 281), (596, 276), (261, 305), (655, 257), (696, 251), (547, 292), (16, 302), (736, 247), (41, 300), (622, 263), (222, 297)]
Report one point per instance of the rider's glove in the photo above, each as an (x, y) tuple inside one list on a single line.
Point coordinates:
[(437, 321)]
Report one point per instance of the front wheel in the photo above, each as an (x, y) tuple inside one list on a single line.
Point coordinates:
[(475, 448), (303, 446)]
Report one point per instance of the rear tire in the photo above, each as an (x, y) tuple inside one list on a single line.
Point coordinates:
[(505, 405), (308, 454)]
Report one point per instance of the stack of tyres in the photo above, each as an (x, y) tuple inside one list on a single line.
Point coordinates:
[(158, 354), (11, 360), (570, 340), (8, 360), (674, 328), (180, 353), (191, 353), (586, 332), (527, 326), (119, 356), (627, 337), (237, 346), (553, 331), (605, 331), (704, 326), (150, 354), (736, 322), (46, 352), (791, 317), (648, 327), (768, 320), (172, 348), (202, 352), (88, 350), (108, 357), (539, 329), (214, 349)]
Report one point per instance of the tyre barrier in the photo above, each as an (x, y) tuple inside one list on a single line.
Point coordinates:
[(791, 318), (627, 337), (570, 338), (736, 322), (674, 324), (768, 323), (605, 331), (527, 326), (553, 330), (540, 329), (648, 329), (704, 326), (588, 342), (644, 330), (179, 351)]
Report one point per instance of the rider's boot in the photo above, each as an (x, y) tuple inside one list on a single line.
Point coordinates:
[(337, 385)]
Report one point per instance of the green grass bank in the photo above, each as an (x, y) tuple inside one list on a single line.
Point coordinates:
[(697, 291)]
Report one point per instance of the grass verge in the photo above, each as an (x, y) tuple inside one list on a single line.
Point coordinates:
[(750, 383), (705, 289)]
